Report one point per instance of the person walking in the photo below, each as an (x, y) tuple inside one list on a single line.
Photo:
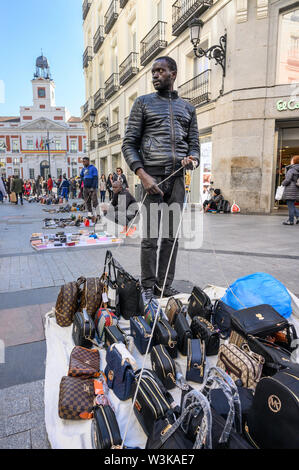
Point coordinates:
[(50, 185), (27, 189), (120, 176), (58, 184), (291, 192), (103, 188), (89, 177), (17, 188), (109, 186), (73, 188), (65, 188), (161, 138), (38, 186)]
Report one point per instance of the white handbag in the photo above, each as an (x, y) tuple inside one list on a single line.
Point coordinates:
[(279, 193)]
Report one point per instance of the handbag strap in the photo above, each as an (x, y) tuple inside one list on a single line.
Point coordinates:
[(195, 400)]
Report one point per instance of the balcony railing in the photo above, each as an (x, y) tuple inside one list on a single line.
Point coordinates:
[(183, 11), (99, 98), (98, 39), (111, 85), (85, 8), (114, 133), (128, 68), (153, 43), (88, 107), (122, 3), (111, 16), (197, 90), (92, 145), (87, 57), (102, 139)]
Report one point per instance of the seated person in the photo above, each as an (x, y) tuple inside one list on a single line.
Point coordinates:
[(123, 207), (213, 202)]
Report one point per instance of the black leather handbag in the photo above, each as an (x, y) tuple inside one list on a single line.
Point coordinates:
[(203, 329), (105, 433), (164, 366), (165, 334), (196, 361), (221, 318), (264, 321), (153, 400), (141, 333), (184, 333), (200, 304), (110, 285), (114, 334), (83, 330)]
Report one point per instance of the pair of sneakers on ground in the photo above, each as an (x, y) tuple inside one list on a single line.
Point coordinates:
[(156, 291), (288, 222)]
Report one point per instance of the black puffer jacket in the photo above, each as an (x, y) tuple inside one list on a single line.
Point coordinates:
[(162, 130), (291, 191)]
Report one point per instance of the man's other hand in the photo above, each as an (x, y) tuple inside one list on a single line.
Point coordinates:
[(149, 183), (187, 163)]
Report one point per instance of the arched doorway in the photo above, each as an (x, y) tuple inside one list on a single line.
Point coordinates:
[(44, 169)]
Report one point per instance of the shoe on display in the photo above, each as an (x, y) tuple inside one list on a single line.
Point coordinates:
[(168, 291), (287, 222)]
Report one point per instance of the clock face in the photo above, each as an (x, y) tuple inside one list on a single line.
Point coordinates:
[(41, 92)]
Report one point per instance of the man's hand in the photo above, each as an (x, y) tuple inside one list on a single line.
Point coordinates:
[(149, 183), (187, 162)]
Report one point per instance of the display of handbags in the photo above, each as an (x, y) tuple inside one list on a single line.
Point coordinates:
[(141, 333), (119, 372), (196, 361), (273, 419), (203, 329), (105, 431), (165, 334), (76, 398), (200, 304), (173, 308), (184, 333), (83, 330), (84, 363), (114, 334), (241, 364), (164, 366)]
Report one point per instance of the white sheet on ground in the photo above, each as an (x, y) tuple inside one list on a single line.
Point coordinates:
[(66, 434)]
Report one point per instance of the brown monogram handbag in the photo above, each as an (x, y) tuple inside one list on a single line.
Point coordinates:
[(67, 302), (91, 298), (76, 398), (84, 363)]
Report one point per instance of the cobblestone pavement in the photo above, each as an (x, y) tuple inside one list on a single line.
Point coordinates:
[(233, 246)]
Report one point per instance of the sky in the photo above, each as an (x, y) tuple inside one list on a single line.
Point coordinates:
[(26, 27)]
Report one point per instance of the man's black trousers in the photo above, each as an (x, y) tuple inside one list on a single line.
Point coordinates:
[(168, 208)]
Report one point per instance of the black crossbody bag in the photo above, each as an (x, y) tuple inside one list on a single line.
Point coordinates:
[(83, 330), (164, 366), (165, 334), (200, 304), (184, 333), (203, 329)]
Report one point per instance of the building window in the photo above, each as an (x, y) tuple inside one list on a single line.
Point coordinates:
[(59, 172), (31, 173), (74, 172), (41, 92), (288, 58), (57, 145), (15, 146), (74, 148), (2, 146), (30, 144), (16, 172), (84, 146)]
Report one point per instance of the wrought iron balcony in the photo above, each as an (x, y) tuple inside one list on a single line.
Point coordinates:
[(87, 57), (99, 98), (111, 16), (122, 3), (153, 43), (102, 139), (197, 90), (85, 8), (111, 85), (114, 133), (87, 108), (183, 11), (128, 68), (92, 144), (98, 39)]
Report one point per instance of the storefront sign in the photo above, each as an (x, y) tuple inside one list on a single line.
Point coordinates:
[(290, 105)]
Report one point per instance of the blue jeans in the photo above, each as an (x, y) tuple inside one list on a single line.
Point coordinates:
[(293, 211), (65, 193)]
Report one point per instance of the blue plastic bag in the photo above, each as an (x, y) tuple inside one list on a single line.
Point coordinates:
[(257, 289)]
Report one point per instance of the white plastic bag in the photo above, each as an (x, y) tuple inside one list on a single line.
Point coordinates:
[(279, 193), (235, 208)]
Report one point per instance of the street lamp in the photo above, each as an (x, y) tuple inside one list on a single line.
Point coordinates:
[(104, 124), (47, 144), (217, 52)]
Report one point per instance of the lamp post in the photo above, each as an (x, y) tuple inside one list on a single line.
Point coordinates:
[(47, 143), (216, 52), (104, 124)]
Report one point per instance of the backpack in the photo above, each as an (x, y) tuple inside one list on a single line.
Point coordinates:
[(92, 296), (67, 302)]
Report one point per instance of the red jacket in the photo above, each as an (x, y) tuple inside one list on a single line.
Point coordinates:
[(50, 184)]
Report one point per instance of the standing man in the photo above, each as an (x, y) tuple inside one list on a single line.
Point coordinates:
[(161, 137), (89, 176), (17, 187), (50, 184)]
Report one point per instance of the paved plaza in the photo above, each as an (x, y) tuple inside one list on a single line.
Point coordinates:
[(233, 246)]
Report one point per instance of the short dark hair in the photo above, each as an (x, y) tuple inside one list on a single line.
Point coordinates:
[(172, 65), (85, 158)]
